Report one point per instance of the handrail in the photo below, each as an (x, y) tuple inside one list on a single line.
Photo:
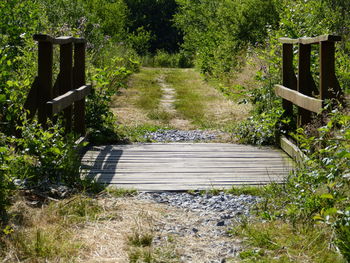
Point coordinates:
[(58, 40), (309, 40), (70, 88), (300, 89)]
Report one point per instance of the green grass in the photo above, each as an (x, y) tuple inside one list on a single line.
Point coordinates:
[(137, 133), (236, 190), (120, 192), (248, 190), (148, 88), (190, 98), (279, 241)]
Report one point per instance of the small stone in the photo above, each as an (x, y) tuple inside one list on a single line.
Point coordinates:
[(195, 230), (221, 223)]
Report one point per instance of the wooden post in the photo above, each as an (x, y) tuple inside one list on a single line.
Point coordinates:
[(329, 86), (66, 78), (289, 78), (79, 80), (44, 91), (304, 76)]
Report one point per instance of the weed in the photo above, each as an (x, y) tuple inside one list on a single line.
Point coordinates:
[(76, 210), (138, 133), (160, 115), (46, 234), (139, 239), (247, 190), (148, 89), (120, 192), (278, 241)]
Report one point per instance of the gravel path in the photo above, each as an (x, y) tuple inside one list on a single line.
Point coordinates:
[(200, 229), (182, 136)]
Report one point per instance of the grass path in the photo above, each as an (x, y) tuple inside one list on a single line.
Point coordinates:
[(175, 99)]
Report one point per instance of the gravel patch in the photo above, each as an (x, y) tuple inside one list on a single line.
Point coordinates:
[(221, 208), (204, 229), (181, 136)]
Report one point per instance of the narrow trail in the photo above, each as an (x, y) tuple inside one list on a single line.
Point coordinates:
[(177, 99), (167, 104)]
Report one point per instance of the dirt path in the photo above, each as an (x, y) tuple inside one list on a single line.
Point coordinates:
[(177, 235), (177, 99)]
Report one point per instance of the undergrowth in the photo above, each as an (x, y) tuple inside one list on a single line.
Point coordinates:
[(312, 208), (46, 234)]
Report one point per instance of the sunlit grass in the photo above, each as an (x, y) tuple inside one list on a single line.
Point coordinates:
[(47, 234), (279, 241)]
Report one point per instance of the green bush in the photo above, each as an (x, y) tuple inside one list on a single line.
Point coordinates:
[(216, 31), (44, 154), (164, 59)]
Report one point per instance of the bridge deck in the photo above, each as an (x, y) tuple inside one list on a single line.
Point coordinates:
[(184, 166)]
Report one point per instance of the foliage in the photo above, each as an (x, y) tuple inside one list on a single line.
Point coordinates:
[(166, 60), (216, 37), (99, 118), (44, 155), (262, 129), (152, 21), (47, 233), (5, 177), (278, 241)]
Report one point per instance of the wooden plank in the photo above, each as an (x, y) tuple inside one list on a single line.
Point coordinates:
[(304, 75), (174, 166), (62, 102), (288, 76), (292, 150), (329, 85), (79, 80), (66, 79), (44, 91), (310, 40), (59, 40), (299, 99)]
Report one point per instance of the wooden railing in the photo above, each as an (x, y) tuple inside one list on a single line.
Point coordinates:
[(301, 90), (69, 90)]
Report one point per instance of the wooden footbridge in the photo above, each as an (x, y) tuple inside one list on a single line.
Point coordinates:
[(184, 166)]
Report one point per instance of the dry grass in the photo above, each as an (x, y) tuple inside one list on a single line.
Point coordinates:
[(201, 103), (175, 98), (46, 233)]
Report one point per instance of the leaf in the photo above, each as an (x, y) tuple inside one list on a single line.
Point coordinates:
[(318, 217), (2, 98), (331, 211), (327, 196)]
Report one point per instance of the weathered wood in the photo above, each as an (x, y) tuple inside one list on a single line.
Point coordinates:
[(79, 80), (288, 75), (304, 75), (66, 79), (329, 85), (299, 99), (62, 102), (309, 40), (44, 91), (292, 150), (184, 166), (59, 40)]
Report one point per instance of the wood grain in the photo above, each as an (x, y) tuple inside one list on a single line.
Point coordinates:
[(184, 166)]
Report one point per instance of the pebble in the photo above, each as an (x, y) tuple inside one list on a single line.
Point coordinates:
[(217, 209), (181, 136)]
